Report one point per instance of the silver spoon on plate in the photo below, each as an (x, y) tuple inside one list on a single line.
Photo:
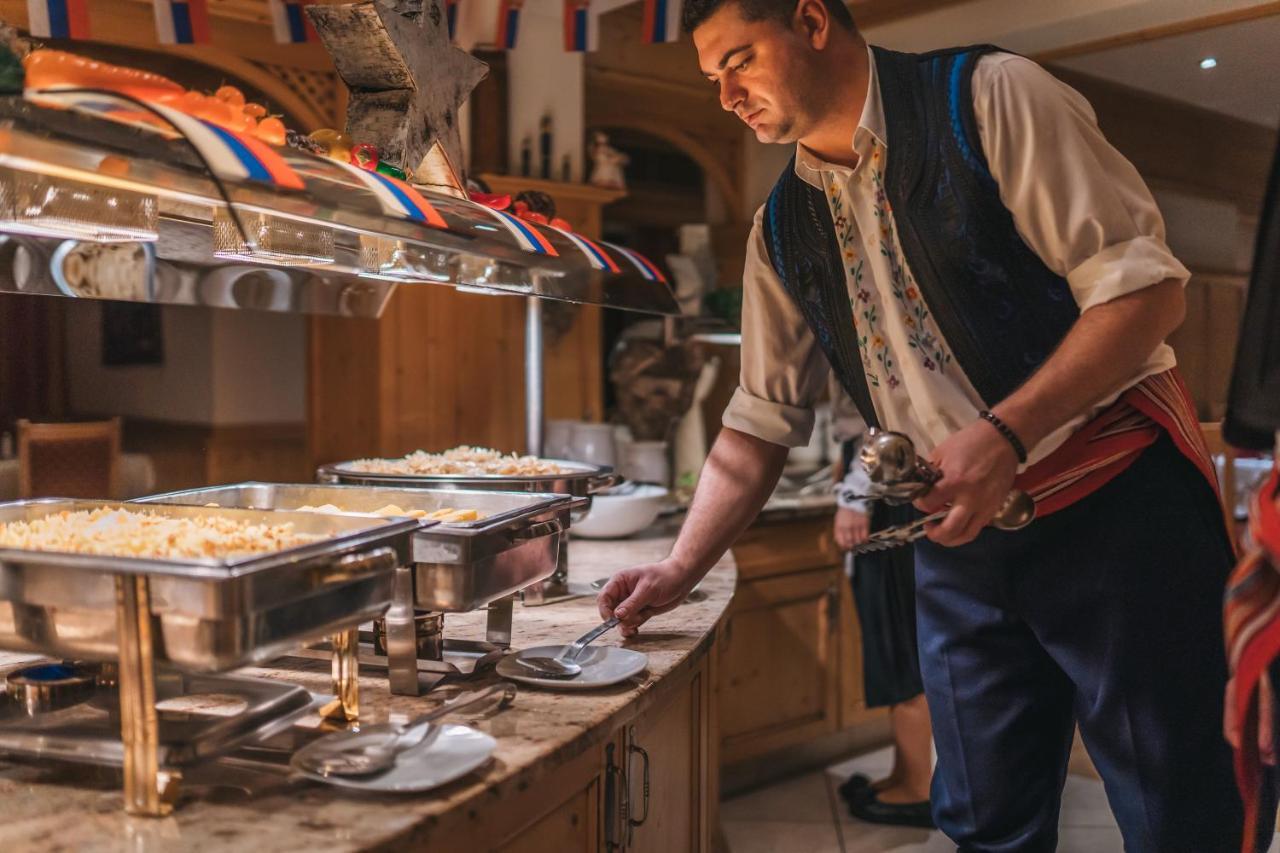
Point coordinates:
[(565, 664)]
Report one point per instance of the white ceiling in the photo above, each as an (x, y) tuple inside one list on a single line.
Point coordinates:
[(1245, 84)]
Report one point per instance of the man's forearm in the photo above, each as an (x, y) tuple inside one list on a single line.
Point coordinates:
[(738, 478), (1105, 347)]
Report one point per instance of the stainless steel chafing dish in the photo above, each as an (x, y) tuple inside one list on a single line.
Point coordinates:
[(578, 479), (204, 615), (452, 567), (208, 615)]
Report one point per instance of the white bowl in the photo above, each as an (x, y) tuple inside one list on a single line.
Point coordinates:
[(617, 516)]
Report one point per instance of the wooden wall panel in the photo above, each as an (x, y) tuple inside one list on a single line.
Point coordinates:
[(442, 368), (1186, 147), (1206, 341)]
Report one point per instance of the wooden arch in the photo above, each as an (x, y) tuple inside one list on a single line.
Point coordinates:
[(713, 166)]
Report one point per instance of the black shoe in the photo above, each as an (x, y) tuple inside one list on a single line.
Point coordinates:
[(855, 787), (870, 809)]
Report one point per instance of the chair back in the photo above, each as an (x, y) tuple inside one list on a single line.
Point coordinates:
[(69, 460)]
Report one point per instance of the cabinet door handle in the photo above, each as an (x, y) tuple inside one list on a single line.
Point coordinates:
[(632, 748)]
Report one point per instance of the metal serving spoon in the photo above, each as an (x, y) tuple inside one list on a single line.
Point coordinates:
[(374, 749), (565, 665)]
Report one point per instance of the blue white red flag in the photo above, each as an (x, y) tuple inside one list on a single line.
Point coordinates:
[(581, 30), (526, 234), (508, 23), (231, 154), (182, 21), (594, 252), (290, 23), (58, 19), (397, 197), (645, 266), (661, 21)]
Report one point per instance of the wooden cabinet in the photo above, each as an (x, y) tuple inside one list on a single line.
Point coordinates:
[(669, 782), (789, 657), (651, 786), (779, 663), (572, 826)]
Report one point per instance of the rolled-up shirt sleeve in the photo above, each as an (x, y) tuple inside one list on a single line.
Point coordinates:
[(783, 369), (1076, 201)]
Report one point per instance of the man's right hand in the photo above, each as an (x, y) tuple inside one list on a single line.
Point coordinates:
[(637, 594), (852, 528)]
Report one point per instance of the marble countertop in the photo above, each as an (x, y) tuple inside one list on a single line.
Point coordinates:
[(46, 808)]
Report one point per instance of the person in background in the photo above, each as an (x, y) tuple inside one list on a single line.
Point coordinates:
[(884, 592)]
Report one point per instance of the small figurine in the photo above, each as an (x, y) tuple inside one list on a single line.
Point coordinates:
[(566, 169), (544, 147), (607, 163), (526, 157)]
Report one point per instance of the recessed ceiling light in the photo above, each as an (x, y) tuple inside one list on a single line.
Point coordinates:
[(1208, 62)]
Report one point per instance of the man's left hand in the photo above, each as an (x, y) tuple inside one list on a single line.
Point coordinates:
[(978, 466)]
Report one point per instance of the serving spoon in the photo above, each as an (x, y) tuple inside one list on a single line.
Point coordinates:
[(565, 665), (374, 749)]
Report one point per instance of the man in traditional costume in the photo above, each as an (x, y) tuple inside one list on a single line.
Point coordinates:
[(957, 241)]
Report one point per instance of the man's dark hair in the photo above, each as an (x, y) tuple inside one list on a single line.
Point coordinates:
[(696, 12)]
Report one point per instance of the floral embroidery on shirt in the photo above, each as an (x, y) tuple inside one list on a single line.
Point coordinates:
[(934, 355), (871, 344)]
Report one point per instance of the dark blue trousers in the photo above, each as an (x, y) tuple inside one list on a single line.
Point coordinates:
[(1109, 614)]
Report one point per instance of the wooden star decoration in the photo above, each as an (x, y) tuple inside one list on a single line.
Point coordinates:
[(406, 81)]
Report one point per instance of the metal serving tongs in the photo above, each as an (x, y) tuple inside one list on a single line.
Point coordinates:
[(898, 476)]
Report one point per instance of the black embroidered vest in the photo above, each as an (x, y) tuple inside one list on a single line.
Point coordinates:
[(1000, 309)]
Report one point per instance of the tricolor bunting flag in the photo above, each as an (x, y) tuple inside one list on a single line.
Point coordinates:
[(581, 33), (661, 21), (397, 197), (234, 155), (526, 233), (595, 253), (508, 23), (645, 266), (290, 23), (58, 19), (182, 21)]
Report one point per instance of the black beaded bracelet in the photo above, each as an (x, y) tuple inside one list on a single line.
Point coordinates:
[(1008, 433)]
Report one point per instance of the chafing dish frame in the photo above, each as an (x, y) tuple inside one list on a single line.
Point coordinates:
[(200, 615), (453, 567)]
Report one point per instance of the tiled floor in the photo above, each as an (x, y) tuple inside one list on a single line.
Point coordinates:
[(805, 815)]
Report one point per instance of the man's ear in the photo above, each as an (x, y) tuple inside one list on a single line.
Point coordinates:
[(812, 22)]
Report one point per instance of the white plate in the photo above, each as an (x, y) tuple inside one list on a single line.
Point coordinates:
[(601, 667), (458, 751)]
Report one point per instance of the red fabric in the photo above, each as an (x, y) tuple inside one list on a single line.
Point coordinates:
[(1108, 444), (1252, 626)]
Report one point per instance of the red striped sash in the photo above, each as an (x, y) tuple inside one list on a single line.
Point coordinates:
[(1251, 616), (1108, 444)]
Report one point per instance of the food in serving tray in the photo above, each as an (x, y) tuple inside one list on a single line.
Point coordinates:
[(128, 533), (448, 515), (460, 461)]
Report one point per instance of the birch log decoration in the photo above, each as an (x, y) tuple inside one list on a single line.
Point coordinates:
[(406, 80)]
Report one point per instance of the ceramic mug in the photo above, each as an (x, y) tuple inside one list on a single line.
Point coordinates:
[(646, 462), (558, 441), (594, 443)]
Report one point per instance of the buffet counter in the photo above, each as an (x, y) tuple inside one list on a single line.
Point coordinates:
[(572, 771)]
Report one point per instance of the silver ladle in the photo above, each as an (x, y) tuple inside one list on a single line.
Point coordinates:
[(374, 749), (898, 475), (565, 665)]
